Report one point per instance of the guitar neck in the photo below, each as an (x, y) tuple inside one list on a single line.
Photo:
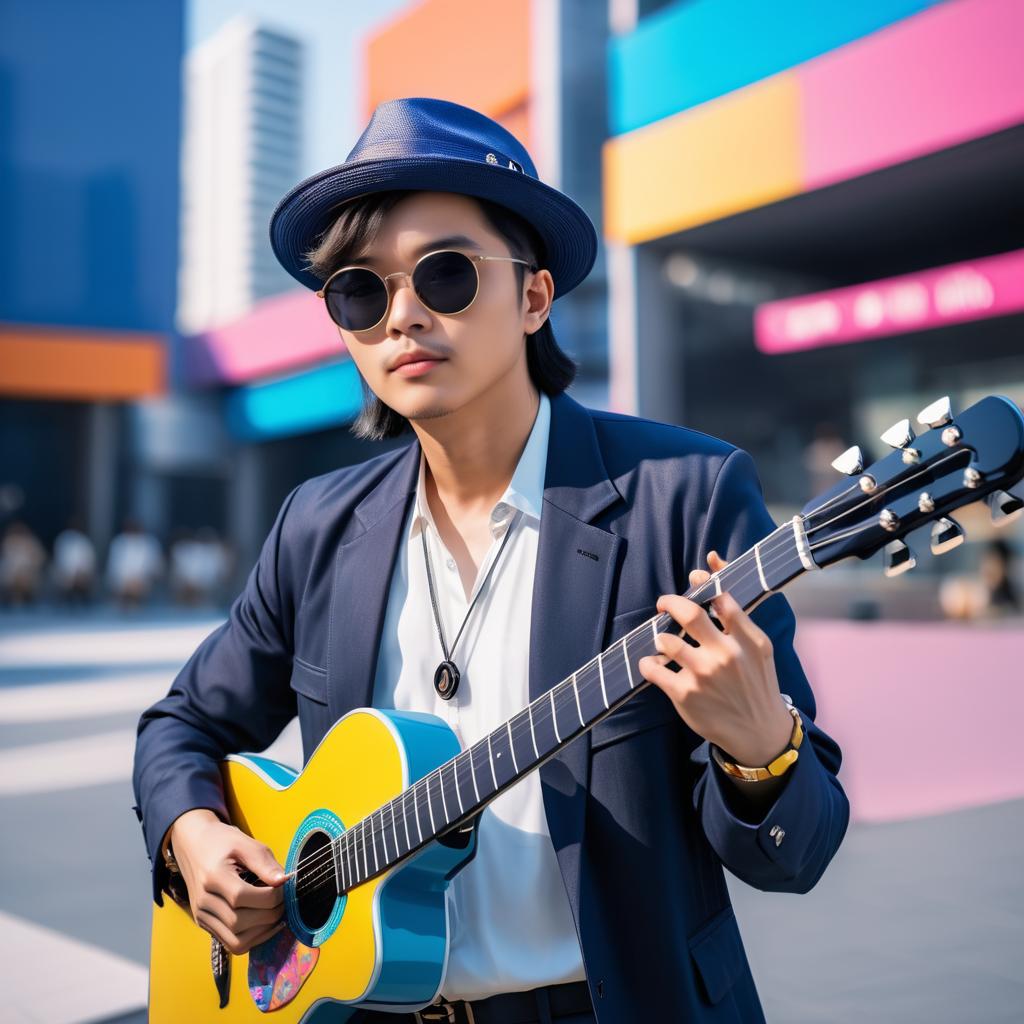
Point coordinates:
[(453, 794)]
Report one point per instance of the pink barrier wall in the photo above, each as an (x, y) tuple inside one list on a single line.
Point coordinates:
[(951, 73), (281, 333), (930, 716), (959, 292)]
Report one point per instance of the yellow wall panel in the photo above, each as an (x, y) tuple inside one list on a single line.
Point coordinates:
[(728, 155)]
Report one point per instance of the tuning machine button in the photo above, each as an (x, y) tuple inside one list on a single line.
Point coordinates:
[(938, 414), (851, 462), (925, 502), (951, 435), (946, 535), (899, 435), (1005, 507), (971, 477), (898, 558)]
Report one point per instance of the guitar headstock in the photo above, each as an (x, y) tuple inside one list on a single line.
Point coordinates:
[(956, 461)]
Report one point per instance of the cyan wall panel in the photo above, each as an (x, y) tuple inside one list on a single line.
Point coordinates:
[(699, 49), (325, 397)]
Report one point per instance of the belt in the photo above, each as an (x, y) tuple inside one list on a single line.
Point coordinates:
[(511, 1007)]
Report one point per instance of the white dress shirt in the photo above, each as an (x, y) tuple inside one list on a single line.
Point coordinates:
[(510, 923)]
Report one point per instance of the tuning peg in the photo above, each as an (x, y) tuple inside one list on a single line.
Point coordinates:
[(851, 462), (946, 534), (1005, 507), (939, 413), (899, 435), (898, 558)]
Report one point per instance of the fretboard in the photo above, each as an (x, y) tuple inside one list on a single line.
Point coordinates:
[(451, 795)]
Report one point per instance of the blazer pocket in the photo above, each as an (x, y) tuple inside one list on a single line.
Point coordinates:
[(309, 680), (717, 950), (644, 710)]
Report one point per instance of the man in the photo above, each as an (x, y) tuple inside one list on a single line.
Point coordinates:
[(517, 535)]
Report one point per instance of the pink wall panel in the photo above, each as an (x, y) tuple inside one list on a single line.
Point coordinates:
[(929, 715), (281, 333), (947, 75), (959, 292)]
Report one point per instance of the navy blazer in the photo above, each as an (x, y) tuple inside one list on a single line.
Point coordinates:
[(641, 821)]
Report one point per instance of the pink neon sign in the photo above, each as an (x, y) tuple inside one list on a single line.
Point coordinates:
[(957, 293)]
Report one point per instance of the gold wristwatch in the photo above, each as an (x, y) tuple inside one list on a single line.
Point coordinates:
[(777, 767)]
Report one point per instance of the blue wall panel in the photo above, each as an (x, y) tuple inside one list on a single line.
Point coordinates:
[(696, 50), (90, 123)]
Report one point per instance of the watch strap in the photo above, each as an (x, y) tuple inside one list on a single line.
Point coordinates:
[(778, 766)]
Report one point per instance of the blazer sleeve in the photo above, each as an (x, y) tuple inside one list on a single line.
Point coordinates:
[(790, 847), (231, 695)]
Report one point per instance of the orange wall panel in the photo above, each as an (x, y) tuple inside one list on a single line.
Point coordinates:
[(469, 52), (85, 365)]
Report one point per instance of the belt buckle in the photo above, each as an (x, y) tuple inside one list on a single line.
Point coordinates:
[(445, 1012)]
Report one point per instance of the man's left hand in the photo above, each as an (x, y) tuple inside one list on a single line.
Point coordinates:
[(726, 689)]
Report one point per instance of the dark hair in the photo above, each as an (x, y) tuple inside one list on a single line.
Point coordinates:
[(550, 369)]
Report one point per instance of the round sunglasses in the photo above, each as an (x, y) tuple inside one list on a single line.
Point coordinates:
[(445, 281)]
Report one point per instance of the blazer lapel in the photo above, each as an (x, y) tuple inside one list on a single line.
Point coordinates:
[(362, 579), (573, 584)]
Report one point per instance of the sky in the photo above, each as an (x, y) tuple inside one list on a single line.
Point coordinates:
[(332, 31)]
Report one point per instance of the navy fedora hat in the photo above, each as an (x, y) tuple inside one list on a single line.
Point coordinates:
[(439, 146)]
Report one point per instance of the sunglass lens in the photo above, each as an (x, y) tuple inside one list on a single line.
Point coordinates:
[(446, 281), (356, 299)]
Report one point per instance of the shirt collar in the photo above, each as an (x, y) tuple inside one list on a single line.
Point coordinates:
[(526, 488)]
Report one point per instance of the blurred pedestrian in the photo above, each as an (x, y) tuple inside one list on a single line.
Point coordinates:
[(22, 558), (74, 564), (198, 566), (996, 573), (134, 564)]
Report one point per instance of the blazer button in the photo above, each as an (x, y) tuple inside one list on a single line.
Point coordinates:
[(779, 834)]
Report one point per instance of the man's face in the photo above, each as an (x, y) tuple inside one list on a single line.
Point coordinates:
[(476, 348)]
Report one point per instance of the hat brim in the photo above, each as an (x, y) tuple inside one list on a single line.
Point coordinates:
[(309, 208)]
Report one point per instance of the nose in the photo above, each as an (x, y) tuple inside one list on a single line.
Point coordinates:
[(405, 311)]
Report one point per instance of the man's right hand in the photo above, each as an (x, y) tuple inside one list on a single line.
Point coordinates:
[(211, 856)]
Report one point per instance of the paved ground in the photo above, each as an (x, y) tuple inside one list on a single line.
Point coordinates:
[(914, 921)]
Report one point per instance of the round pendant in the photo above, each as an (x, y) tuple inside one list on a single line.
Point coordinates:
[(446, 680)]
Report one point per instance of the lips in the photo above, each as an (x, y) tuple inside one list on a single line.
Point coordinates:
[(416, 356)]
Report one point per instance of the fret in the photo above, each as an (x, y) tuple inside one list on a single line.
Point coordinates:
[(455, 786), (512, 746), (338, 852), (576, 694), (394, 829), (362, 836), (416, 810), (490, 761), (440, 786), (481, 755), (373, 844), (384, 836), (629, 668), (760, 568), (472, 769), (430, 806), (501, 759), (533, 735), (600, 672), (522, 741), (554, 715), (464, 776), (544, 726), (590, 693), (405, 819)]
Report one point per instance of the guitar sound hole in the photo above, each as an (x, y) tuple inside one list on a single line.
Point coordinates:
[(315, 881)]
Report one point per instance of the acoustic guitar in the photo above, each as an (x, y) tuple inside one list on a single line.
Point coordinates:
[(385, 812)]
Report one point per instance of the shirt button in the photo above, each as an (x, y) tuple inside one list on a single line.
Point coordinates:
[(500, 511), (450, 563)]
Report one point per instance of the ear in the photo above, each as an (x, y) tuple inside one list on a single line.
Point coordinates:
[(540, 292)]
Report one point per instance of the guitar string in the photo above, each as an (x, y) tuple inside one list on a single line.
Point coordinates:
[(361, 833), (316, 867), (358, 832)]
